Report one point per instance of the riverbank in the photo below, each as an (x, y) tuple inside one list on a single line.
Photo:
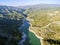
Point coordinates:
[(25, 28), (41, 39), (24, 36)]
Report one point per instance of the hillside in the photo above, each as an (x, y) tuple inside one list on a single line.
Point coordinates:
[(11, 18), (45, 24), (36, 6)]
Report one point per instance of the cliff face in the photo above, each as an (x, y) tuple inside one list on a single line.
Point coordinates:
[(46, 26)]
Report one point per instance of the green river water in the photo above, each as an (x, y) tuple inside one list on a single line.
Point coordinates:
[(33, 39)]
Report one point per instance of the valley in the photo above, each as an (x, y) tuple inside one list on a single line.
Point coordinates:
[(30, 25)]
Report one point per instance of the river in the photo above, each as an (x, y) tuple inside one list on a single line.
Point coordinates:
[(28, 37)]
